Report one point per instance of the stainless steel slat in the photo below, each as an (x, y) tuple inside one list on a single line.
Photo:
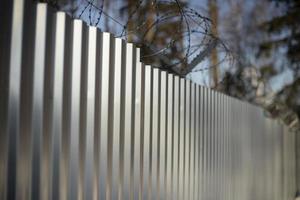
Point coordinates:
[(205, 144), (192, 174), (38, 94), (155, 133), (175, 146), (104, 87), (75, 110), (187, 141), (128, 122), (198, 140), (201, 150), (213, 145), (115, 187), (146, 133), (14, 97), (170, 122), (137, 168), (181, 140), (57, 118), (163, 135), (90, 116)]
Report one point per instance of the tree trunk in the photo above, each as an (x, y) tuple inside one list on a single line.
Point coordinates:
[(213, 12)]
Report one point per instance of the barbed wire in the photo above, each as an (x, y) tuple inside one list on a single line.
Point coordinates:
[(171, 35)]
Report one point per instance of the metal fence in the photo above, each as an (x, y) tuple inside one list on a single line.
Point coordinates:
[(82, 118)]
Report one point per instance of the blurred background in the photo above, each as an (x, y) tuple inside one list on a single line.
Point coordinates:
[(249, 49)]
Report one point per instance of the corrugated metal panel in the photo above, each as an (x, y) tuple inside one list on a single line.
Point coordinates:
[(82, 118)]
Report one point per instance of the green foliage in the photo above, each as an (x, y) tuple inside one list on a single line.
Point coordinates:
[(287, 103), (287, 24), (267, 44), (267, 71)]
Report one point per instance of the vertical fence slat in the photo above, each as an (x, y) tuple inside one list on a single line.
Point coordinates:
[(175, 149), (75, 109), (214, 124), (116, 120), (191, 189), (147, 131), (163, 136), (198, 151), (170, 122), (38, 92), (14, 94), (155, 132), (6, 11), (186, 147), (104, 87), (201, 140), (137, 185), (221, 149), (128, 121), (210, 122), (57, 118), (205, 143), (90, 110), (182, 133)]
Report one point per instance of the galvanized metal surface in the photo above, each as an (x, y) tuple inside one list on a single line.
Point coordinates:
[(82, 118)]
